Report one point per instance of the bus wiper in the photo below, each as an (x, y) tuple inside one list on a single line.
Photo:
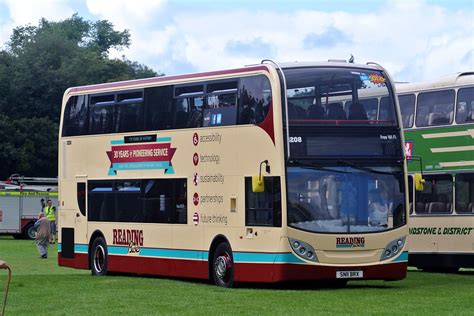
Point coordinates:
[(367, 169)]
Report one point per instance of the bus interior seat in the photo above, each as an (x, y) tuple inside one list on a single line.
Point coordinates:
[(316, 111), (437, 207), (449, 207), (420, 208), (470, 208), (336, 112), (295, 111), (462, 207), (357, 112), (300, 112), (407, 120), (470, 116), (437, 119)]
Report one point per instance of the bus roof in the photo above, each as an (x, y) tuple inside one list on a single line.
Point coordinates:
[(341, 64), (452, 80), (248, 68)]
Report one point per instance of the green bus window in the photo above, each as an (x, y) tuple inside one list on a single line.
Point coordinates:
[(435, 108), (465, 193), (410, 194), (465, 106), (437, 195), (407, 109)]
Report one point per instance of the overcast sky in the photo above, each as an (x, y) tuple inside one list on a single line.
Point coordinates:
[(413, 39)]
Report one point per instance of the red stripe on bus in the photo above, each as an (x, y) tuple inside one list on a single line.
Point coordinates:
[(159, 266), (244, 272), (80, 261), (297, 272), (166, 78)]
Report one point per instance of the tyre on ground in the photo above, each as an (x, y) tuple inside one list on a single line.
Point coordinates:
[(223, 266), (98, 257)]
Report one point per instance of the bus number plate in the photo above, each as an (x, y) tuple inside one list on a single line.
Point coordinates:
[(349, 274)]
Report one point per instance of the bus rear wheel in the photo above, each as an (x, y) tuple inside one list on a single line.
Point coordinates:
[(98, 257), (223, 266)]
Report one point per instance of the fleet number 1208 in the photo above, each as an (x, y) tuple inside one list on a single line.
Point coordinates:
[(296, 139)]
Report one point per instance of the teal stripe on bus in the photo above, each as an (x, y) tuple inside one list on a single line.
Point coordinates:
[(239, 257), (77, 248), (81, 248), (117, 250), (163, 139), (402, 257), (266, 257), (173, 253)]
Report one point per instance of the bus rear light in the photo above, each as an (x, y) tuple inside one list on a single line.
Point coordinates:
[(303, 250), (392, 248)]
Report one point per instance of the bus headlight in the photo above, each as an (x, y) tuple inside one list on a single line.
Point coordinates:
[(303, 250), (393, 248)]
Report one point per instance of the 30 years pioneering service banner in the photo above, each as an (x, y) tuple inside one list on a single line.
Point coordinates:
[(141, 152)]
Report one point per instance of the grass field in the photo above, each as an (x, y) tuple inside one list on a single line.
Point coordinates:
[(41, 287)]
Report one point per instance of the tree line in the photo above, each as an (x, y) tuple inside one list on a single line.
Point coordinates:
[(36, 66)]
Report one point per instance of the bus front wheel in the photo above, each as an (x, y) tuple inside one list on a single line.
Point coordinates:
[(223, 265), (98, 257)]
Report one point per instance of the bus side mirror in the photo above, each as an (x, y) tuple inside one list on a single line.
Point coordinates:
[(257, 184), (419, 181)]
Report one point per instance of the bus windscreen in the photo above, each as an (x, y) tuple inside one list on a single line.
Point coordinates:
[(349, 199), (340, 97)]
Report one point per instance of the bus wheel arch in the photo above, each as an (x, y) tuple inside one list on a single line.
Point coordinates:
[(98, 255), (221, 262)]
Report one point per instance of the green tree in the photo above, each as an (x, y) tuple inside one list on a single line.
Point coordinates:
[(37, 66)]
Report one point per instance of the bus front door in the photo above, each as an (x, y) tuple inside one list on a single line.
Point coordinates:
[(80, 224)]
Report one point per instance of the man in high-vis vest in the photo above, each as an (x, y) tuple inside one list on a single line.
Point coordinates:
[(50, 212)]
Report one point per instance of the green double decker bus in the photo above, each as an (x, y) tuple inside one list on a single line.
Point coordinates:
[(438, 122)]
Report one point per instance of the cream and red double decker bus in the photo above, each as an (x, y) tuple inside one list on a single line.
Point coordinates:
[(265, 173), (438, 118)]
